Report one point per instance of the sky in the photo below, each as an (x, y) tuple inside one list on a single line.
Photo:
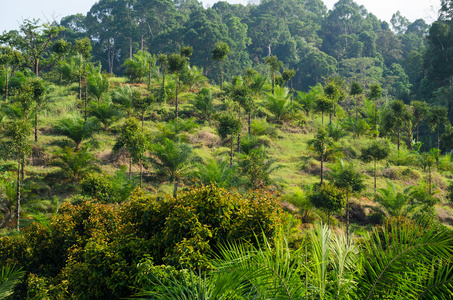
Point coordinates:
[(13, 12)]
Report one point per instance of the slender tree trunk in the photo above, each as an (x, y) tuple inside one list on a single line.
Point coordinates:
[(250, 110), (141, 42), (375, 120), (36, 121), (398, 130), (322, 167), (238, 150), (18, 196), (37, 67), (163, 85), (175, 189), (23, 166), (149, 74), (347, 218), (80, 86), (130, 47), (141, 174), (438, 136), (6, 84), (418, 128), (375, 176), (231, 151), (176, 107), (273, 82), (130, 167), (221, 75), (86, 95)]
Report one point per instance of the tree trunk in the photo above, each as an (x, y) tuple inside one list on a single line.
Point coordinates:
[(398, 147), (375, 120), (141, 42), (37, 67), (130, 167), (347, 218), (6, 84), (175, 189), (149, 74), (322, 167), (130, 47), (231, 152), (23, 166), (250, 110), (176, 107), (418, 129), (141, 174), (80, 86), (375, 176), (438, 136), (273, 82), (36, 121), (221, 75), (18, 196)]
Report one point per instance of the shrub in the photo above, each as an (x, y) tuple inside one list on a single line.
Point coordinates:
[(184, 231), (100, 188)]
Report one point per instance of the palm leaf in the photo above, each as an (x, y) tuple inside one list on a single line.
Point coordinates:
[(9, 278)]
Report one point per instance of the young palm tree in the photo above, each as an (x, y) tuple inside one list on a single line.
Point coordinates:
[(173, 159), (77, 130), (279, 104), (75, 164)]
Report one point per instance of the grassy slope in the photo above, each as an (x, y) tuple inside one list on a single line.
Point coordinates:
[(299, 167)]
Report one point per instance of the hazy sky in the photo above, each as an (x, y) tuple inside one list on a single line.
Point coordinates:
[(13, 12)]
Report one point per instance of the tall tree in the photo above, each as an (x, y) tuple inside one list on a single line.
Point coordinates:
[(356, 91), (220, 52), (345, 177), (320, 144), (274, 66), (135, 141), (421, 110), (437, 116), (35, 41), (377, 150), (374, 95), (176, 64), (395, 117)]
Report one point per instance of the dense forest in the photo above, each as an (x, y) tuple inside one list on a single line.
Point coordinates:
[(159, 149)]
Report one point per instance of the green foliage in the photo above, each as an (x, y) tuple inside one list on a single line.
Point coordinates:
[(183, 231), (228, 125), (376, 150), (76, 129), (105, 113), (215, 172), (279, 104), (328, 198), (139, 66), (172, 159), (97, 82), (9, 278), (203, 104), (75, 164), (256, 166), (405, 253)]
